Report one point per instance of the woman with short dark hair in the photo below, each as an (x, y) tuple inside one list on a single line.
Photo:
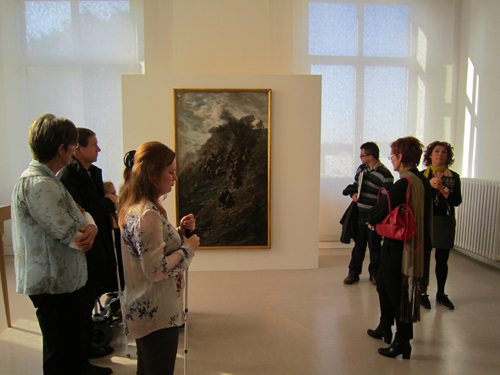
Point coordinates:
[(400, 279), (50, 237), (155, 255), (447, 195)]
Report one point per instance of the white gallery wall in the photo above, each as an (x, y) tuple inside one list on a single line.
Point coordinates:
[(259, 37), (432, 76), (271, 37), (236, 44), (478, 109), (148, 114)]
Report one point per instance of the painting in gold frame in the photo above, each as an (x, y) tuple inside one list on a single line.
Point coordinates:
[(223, 153)]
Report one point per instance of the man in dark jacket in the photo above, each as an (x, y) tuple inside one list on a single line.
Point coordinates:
[(84, 182)]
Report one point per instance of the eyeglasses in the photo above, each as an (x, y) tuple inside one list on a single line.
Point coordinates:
[(362, 156), (390, 157)]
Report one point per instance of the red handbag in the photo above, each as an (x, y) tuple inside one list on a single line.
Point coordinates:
[(400, 223)]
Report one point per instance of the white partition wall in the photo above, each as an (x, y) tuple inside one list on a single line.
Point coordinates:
[(148, 114)]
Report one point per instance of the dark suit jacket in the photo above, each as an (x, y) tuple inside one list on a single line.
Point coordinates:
[(86, 188)]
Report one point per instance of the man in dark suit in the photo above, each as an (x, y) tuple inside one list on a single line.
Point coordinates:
[(84, 182)]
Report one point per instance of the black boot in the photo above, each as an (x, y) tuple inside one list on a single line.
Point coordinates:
[(381, 333), (399, 346)]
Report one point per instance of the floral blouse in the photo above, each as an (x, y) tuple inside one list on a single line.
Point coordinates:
[(45, 218), (153, 281)]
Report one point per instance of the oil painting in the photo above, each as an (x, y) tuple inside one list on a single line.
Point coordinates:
[(223, 153)]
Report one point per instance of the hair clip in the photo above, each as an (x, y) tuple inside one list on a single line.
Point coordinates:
[(128, 159)]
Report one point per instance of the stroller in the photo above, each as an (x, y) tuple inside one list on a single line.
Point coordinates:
[(108, 314)]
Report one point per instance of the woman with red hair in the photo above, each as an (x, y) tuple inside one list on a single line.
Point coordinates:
[(400, 279)]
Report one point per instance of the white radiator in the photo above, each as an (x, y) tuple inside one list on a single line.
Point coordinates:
[(478, 218)]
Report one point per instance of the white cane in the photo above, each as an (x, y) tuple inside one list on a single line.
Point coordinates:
[(120, 292), (186, 323)]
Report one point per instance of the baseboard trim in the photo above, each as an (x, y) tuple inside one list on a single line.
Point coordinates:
[(334, 245), (478, 258)]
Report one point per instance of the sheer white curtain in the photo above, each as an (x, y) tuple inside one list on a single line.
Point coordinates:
[(66, 57), (386, 74)]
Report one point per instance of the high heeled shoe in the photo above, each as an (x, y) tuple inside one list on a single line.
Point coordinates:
[(399, 346), (381, 333)]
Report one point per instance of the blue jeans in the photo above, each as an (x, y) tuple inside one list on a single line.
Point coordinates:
[(365, 236)]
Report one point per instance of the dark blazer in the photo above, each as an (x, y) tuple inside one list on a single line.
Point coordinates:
[(454, 199), (86, 188), (398, 196)]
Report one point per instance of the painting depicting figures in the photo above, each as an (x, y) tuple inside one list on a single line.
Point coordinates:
[(223, 164)]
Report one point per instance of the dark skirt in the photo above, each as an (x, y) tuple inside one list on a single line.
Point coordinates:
[(443, 228)]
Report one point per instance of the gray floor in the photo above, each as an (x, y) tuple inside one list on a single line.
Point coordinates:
[(301, 322)]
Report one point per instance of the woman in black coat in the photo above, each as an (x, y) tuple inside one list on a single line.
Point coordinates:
[(400, 279), (447, 195)]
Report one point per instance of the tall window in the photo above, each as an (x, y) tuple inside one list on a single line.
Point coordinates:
[(362, 51), (74, 53)]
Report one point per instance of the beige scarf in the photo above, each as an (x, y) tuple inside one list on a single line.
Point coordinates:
[(412, 266)]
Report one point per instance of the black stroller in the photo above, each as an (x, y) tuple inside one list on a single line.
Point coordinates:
[(106, 316)]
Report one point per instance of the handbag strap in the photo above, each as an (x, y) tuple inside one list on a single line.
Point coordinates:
[(411, 212), (388, 198), (409, 190)]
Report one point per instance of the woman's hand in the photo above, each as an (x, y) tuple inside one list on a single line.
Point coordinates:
[(82, 210), (86, 240), (193, 241), (187, 222), (436, 183)]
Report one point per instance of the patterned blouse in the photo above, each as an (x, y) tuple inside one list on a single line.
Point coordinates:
[(44, 220), (153, 281)]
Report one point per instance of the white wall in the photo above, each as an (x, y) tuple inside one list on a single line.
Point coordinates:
[(270, 37), (479, 31), (218, 36), (267, 37), (236, 44), (432, 92), (295, 135)]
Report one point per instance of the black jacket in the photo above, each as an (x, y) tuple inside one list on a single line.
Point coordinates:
[(87, 190), (443, 205), (398, 196), (348, 222)]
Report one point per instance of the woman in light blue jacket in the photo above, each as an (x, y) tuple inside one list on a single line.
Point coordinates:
[(50, 236)]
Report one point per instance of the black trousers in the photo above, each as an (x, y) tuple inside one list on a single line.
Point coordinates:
[(59, 317), (365, 236), (157, 351), (389, 281), (89, 295)]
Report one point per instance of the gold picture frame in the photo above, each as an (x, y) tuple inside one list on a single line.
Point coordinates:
[(223, 153)]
